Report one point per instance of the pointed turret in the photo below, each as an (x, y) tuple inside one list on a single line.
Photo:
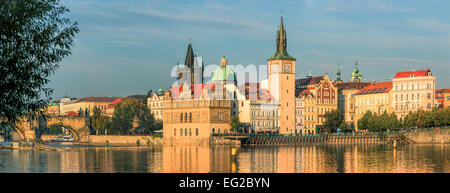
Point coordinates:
[(309, 74), (356, 74), (189, 61), (338, 73), (281, 52)]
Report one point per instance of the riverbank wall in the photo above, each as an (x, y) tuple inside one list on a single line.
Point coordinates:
[(431, 136), (144, 140)]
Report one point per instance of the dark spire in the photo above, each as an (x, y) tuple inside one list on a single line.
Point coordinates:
[(338, 79), (281, 52), (189, 61)]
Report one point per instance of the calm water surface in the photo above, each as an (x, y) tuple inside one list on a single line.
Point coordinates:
[(218, 159)]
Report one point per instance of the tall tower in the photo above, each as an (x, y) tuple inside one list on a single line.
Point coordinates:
[(282, 82)]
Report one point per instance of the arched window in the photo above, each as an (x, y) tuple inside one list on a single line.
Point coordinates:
[(185, 132), (190, 133), (196, 131), (174, 132), (181, 132), (213, 131)]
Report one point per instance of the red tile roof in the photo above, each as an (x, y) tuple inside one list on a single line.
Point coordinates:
[(98, 99), (413, 73), (380, 87), (114, 103)]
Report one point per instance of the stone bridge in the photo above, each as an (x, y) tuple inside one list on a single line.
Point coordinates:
[(32, 129)]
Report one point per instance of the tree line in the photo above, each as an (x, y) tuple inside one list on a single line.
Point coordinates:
[(437, 117), (126, 112)]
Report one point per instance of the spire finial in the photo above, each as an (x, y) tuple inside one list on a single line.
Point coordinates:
[(309, 74)]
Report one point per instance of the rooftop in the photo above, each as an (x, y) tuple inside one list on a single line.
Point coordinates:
[(414, 73), (375, 88), (98, 99)]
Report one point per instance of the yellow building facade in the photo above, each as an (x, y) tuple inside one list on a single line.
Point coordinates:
[(346, 100), (376, 98)]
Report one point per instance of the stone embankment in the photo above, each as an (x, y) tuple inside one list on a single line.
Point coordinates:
[(430, 137), (125, 140)]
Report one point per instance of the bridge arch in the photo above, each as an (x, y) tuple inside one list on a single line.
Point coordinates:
[(33, 129)]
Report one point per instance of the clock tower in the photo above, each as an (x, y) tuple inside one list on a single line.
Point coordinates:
[(282, 82)]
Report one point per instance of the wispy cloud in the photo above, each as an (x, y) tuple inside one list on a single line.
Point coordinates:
[(370, 6)]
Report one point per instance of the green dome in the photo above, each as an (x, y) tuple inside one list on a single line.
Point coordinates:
[(356, 73), (223, 73), (160, 91)]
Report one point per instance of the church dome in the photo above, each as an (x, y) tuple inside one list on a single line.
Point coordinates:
[(223, 73), (356, 73)]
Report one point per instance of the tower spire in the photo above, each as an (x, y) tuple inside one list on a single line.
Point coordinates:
[(309, 74), (338, 73), (281, 52)]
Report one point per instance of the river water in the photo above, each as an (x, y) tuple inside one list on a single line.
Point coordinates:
[(219, 159)]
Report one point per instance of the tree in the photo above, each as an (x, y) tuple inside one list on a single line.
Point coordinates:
[(363, 122), (35, 35), (126, 111), (100, 123), (235, 124), (333, 120)]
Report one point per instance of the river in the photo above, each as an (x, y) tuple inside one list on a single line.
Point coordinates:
[(219, 159)]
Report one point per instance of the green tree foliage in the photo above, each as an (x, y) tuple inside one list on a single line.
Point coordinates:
[(126, 111), (100, 123), (333, 120), (235, 124), (35, 35), (415, 119), (373, 122)]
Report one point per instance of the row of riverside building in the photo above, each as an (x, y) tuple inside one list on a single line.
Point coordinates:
[(193, 108)]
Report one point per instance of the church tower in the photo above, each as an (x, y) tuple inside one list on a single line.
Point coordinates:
[(338, 73), (282, 82), (356, 74)]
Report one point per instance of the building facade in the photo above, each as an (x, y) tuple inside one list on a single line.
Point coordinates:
[(155, 105), (375, 97), (413, 90), (346, 100), (319, 96), (442, 97)]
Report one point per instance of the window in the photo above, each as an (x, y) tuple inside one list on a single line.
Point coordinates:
[(190, 133), (174, 132), (185, 132), (429, 95), (196, 131), (181, 132), (428, 106)]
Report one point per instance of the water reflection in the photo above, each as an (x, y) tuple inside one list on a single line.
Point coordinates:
[(219, 159)]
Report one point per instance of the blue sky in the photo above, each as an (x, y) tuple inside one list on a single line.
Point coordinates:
[(128, 47)]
